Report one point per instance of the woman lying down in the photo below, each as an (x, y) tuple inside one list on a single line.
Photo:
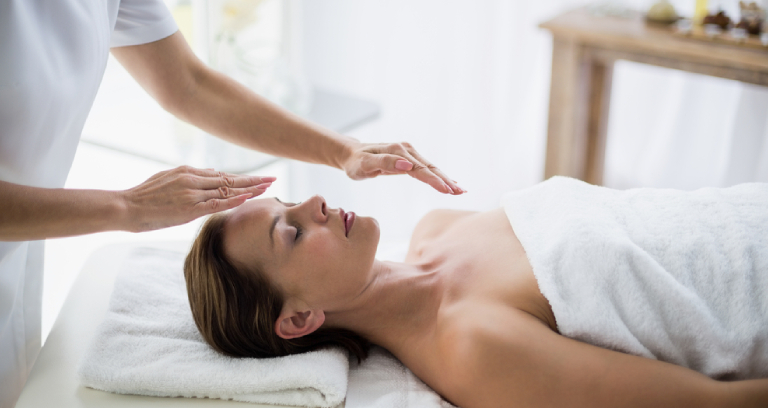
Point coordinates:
[(569, 296)]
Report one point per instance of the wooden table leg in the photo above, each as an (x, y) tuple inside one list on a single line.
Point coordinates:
[(578, 112)]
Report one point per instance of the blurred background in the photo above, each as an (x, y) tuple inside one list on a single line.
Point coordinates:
[(465, 81)]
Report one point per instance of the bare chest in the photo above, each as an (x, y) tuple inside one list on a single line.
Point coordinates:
[(485, 270), (482, 261)]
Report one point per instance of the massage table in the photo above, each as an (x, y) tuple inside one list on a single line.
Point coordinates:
[(53, 381)]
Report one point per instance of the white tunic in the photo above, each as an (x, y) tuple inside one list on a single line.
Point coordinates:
[(678, 276), (53, 57)]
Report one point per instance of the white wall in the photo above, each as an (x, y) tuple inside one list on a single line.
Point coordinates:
[(467, 83)]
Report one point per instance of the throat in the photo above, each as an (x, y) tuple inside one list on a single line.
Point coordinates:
[(399, 307)]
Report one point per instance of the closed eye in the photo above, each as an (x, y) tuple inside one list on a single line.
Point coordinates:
[(299, 232)]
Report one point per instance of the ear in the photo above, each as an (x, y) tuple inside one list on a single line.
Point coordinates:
[(291, 324)]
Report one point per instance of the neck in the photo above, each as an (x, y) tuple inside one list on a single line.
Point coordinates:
[(399, 304)]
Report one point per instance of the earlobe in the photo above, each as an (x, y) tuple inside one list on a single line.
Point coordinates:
[(291, 325)]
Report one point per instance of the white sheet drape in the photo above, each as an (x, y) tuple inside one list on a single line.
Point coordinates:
[(467, 82)]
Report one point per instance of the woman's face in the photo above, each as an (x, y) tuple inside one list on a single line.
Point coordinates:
[(320, 255)]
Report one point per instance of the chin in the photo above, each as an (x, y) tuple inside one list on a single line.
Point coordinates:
[(376, 231), (372, 233)]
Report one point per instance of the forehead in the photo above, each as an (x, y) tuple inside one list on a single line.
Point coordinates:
[(246, 231), (253, 211)]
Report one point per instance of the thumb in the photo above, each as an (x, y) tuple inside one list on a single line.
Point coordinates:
[(389, 163)]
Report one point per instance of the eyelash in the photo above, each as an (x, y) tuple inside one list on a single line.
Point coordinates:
[(299, 231)]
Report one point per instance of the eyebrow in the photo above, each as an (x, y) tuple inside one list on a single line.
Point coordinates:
[(272, 227), (272, 230)]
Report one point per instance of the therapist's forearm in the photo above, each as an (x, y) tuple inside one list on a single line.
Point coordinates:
[(169, 71), (31, 213), (169, 198), (223, 107)]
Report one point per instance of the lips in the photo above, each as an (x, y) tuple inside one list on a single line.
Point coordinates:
[(348, 218)]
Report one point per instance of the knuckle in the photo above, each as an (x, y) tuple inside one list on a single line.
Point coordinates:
[(224, 191), (406, 145), (184, 169), (214, 204), (228, 181), (187, 178)]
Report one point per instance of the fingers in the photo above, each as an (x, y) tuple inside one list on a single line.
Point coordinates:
[(427, 174), (423, 170), (400, 158), (455, 189), (219, 189), (219, 184), (227, 192), (228, 180), (217, 205), (212, 178), (182, 194)]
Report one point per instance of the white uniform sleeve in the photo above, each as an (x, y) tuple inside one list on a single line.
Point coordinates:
[(141, 22)]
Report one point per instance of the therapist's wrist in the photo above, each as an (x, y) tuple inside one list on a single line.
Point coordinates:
[(345, 152), (120, 212)]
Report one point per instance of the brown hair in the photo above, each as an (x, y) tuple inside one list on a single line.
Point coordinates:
[(236, 310)]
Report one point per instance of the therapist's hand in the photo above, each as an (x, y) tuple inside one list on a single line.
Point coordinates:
[(178, 196), (374, 159)]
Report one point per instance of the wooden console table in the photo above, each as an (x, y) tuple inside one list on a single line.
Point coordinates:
[(583, 54)]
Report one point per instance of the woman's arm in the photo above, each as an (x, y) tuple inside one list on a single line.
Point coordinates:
[(168, 198), (518, 362), (170, 72)]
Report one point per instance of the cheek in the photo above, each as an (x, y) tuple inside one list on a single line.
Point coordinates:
[(322, 256)]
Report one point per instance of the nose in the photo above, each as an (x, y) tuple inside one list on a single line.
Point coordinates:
[(317, 208)]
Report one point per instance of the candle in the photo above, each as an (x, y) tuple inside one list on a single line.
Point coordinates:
[(700, 12)]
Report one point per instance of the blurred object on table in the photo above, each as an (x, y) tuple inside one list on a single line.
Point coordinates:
[(752, 18), (662, 12), (700, 12), (719, 19)]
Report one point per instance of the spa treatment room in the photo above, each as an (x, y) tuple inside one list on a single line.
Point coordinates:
[(383, 204)]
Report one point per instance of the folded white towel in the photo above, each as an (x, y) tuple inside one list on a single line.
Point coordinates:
[(148, 344), (671, 275), (382, 381)]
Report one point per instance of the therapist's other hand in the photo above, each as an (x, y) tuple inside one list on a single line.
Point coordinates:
[(374, 159), (180, 195)]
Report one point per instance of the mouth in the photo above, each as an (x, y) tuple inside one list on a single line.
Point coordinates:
[(348, 218)]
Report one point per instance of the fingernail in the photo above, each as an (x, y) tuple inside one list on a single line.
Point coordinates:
[(403, 165), (268, 179), (264, 186)]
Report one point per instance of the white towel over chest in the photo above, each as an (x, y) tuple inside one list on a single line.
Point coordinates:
[(676, 276)]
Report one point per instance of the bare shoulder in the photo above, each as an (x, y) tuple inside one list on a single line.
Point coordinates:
[(435, 223)]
